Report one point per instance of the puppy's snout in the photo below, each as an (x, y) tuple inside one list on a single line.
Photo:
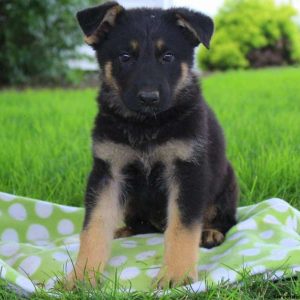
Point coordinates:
[(148, 98)]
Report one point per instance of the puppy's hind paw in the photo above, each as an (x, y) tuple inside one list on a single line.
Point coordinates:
[(211, 238)]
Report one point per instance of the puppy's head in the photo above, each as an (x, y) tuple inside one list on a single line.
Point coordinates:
[(145, 54)]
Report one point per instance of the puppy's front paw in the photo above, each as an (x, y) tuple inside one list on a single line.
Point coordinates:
[(70, 281), (91, 277), (170, 277)]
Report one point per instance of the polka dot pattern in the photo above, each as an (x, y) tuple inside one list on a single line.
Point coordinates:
[(68, 266), (128, 244), (289, 242), (197, 287), (249, 224), (278, 254), (25, 284), (269, 219), (43, 209), (250, 252), (50, 283), (279, 205), (117, 261), (18, 212), (291, 223), (39, 239), (153, 271), (10, 234), (258, 269), (7, 197), (9, 249), (129, 273), (145, 255), (37, 232), (30, 264), (155, 241), (60, 256), (222, 274), (65, 227), (266, 234), (72, 247), (234, 236), (242, 241)]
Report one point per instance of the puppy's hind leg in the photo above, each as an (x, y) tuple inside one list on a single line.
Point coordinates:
[(221, 215)]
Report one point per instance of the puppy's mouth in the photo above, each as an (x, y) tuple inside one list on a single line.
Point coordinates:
[(146, 110), (149, 111)]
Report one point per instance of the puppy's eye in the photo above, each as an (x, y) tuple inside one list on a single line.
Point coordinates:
[(124, 57), (168, 57)]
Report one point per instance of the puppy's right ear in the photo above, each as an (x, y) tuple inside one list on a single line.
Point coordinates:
[(97, 21)]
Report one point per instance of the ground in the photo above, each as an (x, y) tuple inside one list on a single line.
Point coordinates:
[(45, 150)]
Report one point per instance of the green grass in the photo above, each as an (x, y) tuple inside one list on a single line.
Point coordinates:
[(45, 143), (260, 112), (45, 148), (255, 287)]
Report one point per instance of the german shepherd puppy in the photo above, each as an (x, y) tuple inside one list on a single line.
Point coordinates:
[(159, 152)]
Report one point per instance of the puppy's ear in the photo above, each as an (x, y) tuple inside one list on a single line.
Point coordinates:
[(97, 21), (196, 26)]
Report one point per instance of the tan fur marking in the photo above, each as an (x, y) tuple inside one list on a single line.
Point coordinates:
[(96, 238), (108, 76), (183, 23), (177, 149), (159, 44), (184, 79), (134, 45), (110, 18), (119, 154), (90, 40), (181, 247)]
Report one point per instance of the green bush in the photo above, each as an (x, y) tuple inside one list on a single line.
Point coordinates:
[(252, 33), (37, 38)]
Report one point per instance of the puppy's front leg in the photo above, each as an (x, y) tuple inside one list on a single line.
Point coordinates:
[(183, 232), (102, 215)]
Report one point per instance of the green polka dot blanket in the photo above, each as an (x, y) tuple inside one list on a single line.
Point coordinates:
[(40, 240)]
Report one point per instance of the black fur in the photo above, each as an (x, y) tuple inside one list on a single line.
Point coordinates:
[(205, 182)]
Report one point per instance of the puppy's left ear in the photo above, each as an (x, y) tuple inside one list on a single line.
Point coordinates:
[(196, 26), (96, 22)]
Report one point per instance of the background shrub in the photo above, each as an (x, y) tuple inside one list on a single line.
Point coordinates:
[(37, 38), (252, 33)]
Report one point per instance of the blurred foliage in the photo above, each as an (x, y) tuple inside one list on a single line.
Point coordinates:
[(252, 33), (37, 38)]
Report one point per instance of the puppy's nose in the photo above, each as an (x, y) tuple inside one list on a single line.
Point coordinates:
[(149, 98)]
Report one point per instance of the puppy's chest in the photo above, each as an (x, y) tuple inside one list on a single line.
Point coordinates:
[(119, 155), (146, 194), (146, 176)]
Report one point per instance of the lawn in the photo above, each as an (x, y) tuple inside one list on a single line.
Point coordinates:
[(45, 145)]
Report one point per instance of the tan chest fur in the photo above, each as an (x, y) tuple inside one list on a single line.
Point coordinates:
[(120, 155)]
